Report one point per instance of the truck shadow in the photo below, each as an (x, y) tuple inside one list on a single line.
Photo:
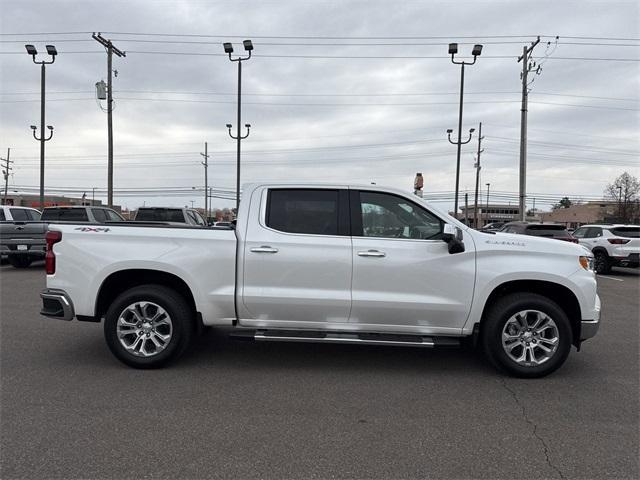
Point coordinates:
[(215, 347)]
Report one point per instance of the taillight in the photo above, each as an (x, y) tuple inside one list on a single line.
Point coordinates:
[(52, 238), (618, 241)]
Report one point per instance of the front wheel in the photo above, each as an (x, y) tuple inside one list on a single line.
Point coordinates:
[(526, 335), (148, 326), (602, 263)]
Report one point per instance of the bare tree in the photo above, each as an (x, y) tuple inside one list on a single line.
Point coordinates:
[(625, 190)]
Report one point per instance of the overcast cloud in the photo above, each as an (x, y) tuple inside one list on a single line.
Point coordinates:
[(323, 119)]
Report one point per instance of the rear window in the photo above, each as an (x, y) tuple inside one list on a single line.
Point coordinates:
[(23, 214), (629, 232), (303, 211), (160, 215), (65, 214), (553, 231)]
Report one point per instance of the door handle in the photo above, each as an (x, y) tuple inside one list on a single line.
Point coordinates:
[(264, 249), (372, 253)]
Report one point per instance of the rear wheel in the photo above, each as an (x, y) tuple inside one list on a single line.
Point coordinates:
[(20, 261), (149, 326), (526, 335), (602, 262)]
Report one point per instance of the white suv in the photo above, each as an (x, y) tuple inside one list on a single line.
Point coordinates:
[(612, 245)]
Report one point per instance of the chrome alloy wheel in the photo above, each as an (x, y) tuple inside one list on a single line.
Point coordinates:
[(530, 338), (144, 329)]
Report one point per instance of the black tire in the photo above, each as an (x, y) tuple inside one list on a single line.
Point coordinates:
[(602, 263), (500, 313), (19, 261), (181, 316)]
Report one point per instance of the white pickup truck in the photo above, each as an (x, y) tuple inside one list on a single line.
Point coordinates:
[(326, 263)]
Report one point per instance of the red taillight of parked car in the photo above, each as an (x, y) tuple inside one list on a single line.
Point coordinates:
[(50, 258), (618, 241)]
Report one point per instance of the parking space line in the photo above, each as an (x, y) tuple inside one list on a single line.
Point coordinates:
[(611, 278)]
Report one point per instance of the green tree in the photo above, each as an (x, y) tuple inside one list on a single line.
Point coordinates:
[(564, 202)]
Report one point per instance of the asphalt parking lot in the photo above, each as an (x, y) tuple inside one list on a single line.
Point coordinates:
[(233, 409)]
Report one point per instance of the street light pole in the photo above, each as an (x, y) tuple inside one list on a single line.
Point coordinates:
[(453, 49), (205, 164), (228, 48), (51, 50)]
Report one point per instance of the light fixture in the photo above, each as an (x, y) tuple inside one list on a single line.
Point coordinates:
[(453, 48), (31, 50), (477, 50), (228, 48), (51, 50), (248, 46)]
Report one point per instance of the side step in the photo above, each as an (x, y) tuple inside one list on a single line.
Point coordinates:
[(346, 338)]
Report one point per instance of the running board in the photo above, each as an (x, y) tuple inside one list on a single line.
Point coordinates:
[(347, 338)]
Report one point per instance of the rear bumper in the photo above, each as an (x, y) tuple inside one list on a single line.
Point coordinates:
[(56, 304), (31, 251), (631, 259), (589, 328)]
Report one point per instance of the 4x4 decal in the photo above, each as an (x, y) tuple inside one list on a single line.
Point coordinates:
[(92, 229)]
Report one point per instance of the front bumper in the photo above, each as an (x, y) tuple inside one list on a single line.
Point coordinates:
[(56, 304), (589, 328)]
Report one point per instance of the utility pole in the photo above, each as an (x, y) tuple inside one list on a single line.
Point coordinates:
[(527, 66), (486, 219), (110, 51), (206, 187), (6, 171), (466, 209), (480, 150)]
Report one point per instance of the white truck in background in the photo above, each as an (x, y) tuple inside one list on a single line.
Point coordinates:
[(326, 263)]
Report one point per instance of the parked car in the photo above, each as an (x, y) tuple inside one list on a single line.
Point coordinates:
[(81, 214), (492, 227), (172, 215), (548, 230), (21, 235), (322, 263), (612, 245)]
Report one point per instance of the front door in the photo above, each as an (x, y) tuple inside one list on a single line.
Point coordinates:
[(404, 278), (297, 259)]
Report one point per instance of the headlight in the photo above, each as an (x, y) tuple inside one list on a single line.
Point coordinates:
[(586, 262)]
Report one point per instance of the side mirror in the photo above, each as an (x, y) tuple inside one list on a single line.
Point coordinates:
[(453, 237)]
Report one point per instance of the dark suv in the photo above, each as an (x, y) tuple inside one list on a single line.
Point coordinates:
[(549, 230)]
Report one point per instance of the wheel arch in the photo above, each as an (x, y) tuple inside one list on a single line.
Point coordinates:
[(556, 292), (122, 280), (600, 249)]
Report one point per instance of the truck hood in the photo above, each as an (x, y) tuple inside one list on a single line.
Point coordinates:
[(510, 242)]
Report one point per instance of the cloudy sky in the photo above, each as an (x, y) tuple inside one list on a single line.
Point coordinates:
[(339, 91)]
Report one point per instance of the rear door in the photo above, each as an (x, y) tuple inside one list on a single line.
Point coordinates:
[(297, 258), (404, 278)]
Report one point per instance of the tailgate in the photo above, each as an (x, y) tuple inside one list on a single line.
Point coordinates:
[(22, 233)]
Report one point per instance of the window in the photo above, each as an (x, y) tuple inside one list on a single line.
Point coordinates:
[(552, 231), (390, 216), (113, 216), (100, 215), (594, 232), (199, 220), (580, 233), (20, 214), (629, 232), (303, 211), (160, 215), (65, 214), (2, 216)]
